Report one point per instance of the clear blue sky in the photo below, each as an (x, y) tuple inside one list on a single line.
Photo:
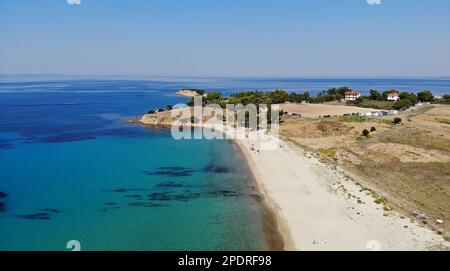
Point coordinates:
[(226, 37)]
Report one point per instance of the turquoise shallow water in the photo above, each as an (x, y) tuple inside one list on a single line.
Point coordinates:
[(70, 169), (100, 190)]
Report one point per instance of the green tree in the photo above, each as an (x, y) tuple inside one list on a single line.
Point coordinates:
[(213, 96), (278, 96), (409, 96), (446, 98), (425, 96), (343, 90), (375, 95)]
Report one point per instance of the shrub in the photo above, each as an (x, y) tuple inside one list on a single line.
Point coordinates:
[(365, 132), (373, 129), (327, 152), (402, 104), (397, 121)]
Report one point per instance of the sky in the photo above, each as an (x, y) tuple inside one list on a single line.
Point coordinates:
[(261, 38)]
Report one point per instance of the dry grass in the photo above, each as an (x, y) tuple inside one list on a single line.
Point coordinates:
[(413, 186), (407, 163), (416, 137)]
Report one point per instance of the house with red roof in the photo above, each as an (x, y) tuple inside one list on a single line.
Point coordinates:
[(393, 96), (352, 95)]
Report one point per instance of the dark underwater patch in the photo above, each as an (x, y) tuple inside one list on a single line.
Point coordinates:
[(110, 203), (173, 168), (67, 138), (216, 169), (169, 185), (154, 205), (170, 196), (2, 204), (37, 216), (134, 196), (126, 190), (45, 214), (50, 210), (3, 195), (5, 145), (170, 172), (160, 196), (224, 193), (136, 204)]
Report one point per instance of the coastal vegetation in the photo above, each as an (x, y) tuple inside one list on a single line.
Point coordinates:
[(375, 99), (379, 100)]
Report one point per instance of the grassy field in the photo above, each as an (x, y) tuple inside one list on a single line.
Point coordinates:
[(376, 104)]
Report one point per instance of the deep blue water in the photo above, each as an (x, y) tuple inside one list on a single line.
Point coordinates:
[(71, 169)]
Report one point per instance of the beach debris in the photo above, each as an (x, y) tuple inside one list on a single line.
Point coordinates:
[(419, 215), (439, 221), (316, 242)]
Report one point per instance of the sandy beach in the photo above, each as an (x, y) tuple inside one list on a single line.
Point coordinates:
[(318, 206), (314, 211)]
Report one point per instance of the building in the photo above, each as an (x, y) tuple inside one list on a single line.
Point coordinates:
[(352, 95), (393, 97)]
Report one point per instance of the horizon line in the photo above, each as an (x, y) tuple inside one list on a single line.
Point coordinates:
[(228, 76)]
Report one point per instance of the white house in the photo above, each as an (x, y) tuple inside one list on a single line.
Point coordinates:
[(352, 95), (393, 97)]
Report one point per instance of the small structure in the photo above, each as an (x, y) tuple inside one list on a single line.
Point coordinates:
[(393, 96), (352, 95), (393, 112), (376, 114)]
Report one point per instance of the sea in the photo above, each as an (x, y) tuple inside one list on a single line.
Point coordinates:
[(73, 170)]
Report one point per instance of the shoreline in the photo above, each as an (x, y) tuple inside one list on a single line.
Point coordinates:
[(314, 206), (278, 238), (311, 214)]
